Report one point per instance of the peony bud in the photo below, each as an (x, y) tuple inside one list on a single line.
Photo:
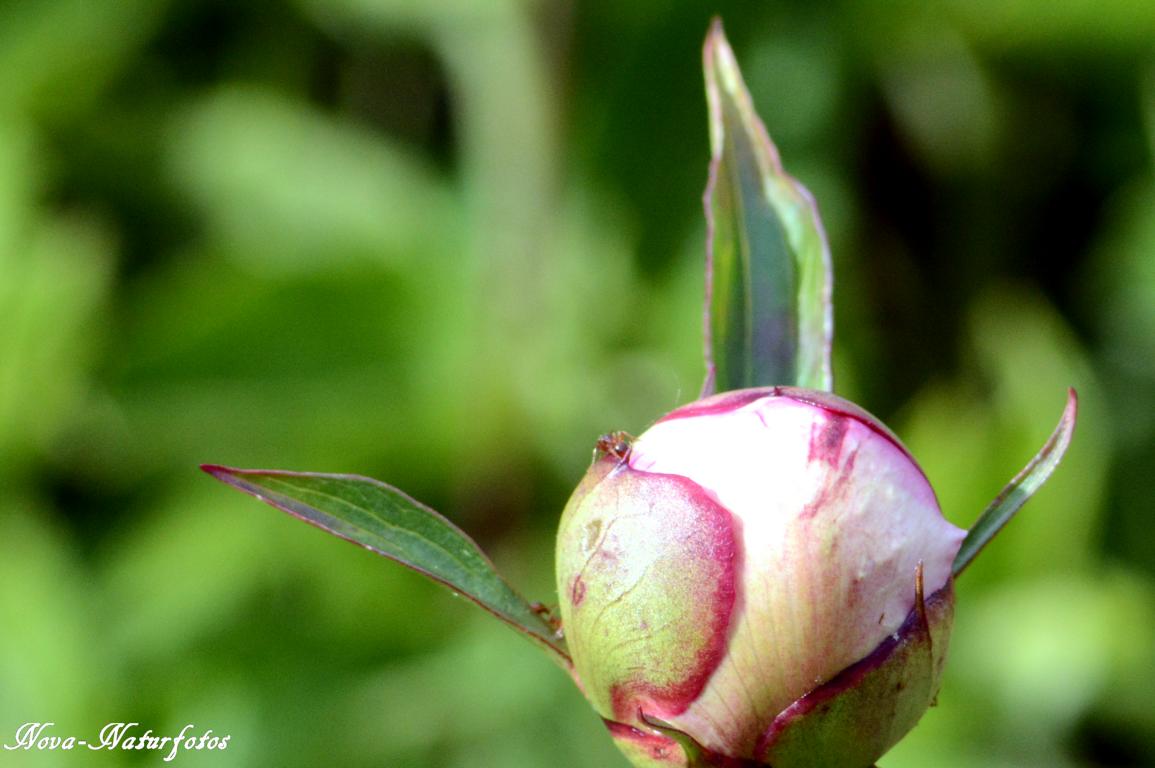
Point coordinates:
[(762, 578)]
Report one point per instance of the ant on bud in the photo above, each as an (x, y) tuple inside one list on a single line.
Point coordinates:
[(617, 444)]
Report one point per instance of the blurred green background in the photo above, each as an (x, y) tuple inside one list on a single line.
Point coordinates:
[(446, 243)]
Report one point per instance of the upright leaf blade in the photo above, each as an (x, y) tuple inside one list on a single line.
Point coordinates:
[(1020, 488), (768, 305), (390, 523)]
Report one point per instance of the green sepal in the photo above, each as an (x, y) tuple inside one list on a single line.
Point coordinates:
[(866, 709), (1020, 489), (769, 318)]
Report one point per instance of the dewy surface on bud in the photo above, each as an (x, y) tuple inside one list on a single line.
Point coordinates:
[(747, 572)]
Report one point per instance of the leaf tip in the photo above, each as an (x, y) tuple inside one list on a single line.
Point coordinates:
[(1066, 428), (717, 53), (228, 475), (720, 67), (715, 41)]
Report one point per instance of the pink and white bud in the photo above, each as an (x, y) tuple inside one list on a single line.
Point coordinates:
[(766, 571)]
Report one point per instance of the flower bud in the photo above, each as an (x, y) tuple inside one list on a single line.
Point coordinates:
[(765, 571)]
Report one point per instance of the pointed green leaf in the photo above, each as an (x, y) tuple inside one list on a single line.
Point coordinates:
[(1020, 489), (390, 523), (768, 277)]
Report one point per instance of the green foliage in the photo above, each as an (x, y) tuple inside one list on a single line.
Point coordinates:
[(450, 243)]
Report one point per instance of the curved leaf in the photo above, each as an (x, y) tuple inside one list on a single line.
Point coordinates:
[(1020, 489), (390, 523), (768, 277)]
